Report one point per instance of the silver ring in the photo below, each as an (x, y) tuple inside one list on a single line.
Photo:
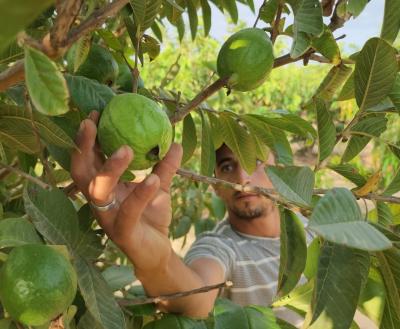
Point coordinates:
[(109, 206)]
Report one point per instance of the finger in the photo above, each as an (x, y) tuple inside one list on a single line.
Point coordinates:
[(82, 160), (168, 166), (133, 206), (101, 188), (94, 116)]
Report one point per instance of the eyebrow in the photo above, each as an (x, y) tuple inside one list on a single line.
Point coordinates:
[(220, 161)]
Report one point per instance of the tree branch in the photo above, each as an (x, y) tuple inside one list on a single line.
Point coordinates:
[(269, 192), (66, 15), (21, 173), (94, 21), (149, 300), (16, 74), (201, 97), (275, 29)]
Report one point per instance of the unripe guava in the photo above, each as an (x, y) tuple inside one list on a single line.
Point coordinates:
[(247, 58), (99, 65), (137, 121), (37, 283)]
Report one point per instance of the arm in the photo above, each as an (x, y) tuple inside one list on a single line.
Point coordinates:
[(139, 224)]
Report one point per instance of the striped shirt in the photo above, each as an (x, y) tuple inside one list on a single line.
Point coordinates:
[(250, 262)]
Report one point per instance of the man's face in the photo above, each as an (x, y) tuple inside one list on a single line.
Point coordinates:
[(244, 206)]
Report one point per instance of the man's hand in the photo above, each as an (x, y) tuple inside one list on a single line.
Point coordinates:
[(139, 223)]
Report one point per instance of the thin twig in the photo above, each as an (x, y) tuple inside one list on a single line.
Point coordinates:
[(275, 29), (268, 192), (149, 300), (25, 175), (259, 14), (201, 97)]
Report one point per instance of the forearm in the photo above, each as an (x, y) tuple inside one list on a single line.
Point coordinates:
[(176, 277)]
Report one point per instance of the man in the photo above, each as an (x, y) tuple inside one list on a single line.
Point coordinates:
[(243, 249)]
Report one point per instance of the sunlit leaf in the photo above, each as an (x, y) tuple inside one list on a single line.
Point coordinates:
[(189, 138), (327, 46), (326, 130), (145, 11), (391, 20), (16, 232), (193, 19), (46, 85)]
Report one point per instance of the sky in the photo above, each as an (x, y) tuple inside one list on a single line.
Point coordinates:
[(357, 31)]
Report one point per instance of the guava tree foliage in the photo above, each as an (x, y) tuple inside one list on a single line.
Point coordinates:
[(60, 60)]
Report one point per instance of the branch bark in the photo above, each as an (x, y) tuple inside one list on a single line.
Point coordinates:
[(66, 15), (201, 97)]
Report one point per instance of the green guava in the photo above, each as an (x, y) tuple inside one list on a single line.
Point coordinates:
[(137, 121), (247, 58), (125, 79), (37, 283), (99, 65)]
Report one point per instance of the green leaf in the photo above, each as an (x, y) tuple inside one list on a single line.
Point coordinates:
[(230, 6), (150, 46), (230, 315), (327, 46), (375, 72), (88, 321), (145, 12), (181, 228), (333, 81), (313, 252), (299, 297), (293, 252), (175, 321), (271, 136), (385, 216), (326, 130), (295, 184), (268, 11), (342, 273), (117, 277), (207, 148), (239, 140), (46, 85), (88, 95), (355, 7), (98, 297), (289, 122), (89, 244), (206, 9), (394, 95), (193, 19), (218, 207), (347, 91), (301, 43), (394, 185), (78, 53), (260, 317), (372, 297), (16, 126), (110, 39), (16, 232), (17, 14), (337, 218), (308, 18), (189, 138), (391, 20), (215, 130), (43, 207), (157, 31), (372, 126), (349, 172), (389, 266)]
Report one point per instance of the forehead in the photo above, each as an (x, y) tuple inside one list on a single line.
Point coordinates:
[(223, 153)]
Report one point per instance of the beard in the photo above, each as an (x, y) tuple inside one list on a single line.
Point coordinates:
[(247, 212)]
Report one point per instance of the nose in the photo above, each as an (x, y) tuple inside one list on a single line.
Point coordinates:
[(243, 177)]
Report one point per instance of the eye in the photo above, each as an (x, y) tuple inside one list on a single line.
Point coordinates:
[(226, 167)]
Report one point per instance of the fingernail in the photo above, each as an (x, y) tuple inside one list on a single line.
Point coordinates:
[(120, 154), (82, 126)]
